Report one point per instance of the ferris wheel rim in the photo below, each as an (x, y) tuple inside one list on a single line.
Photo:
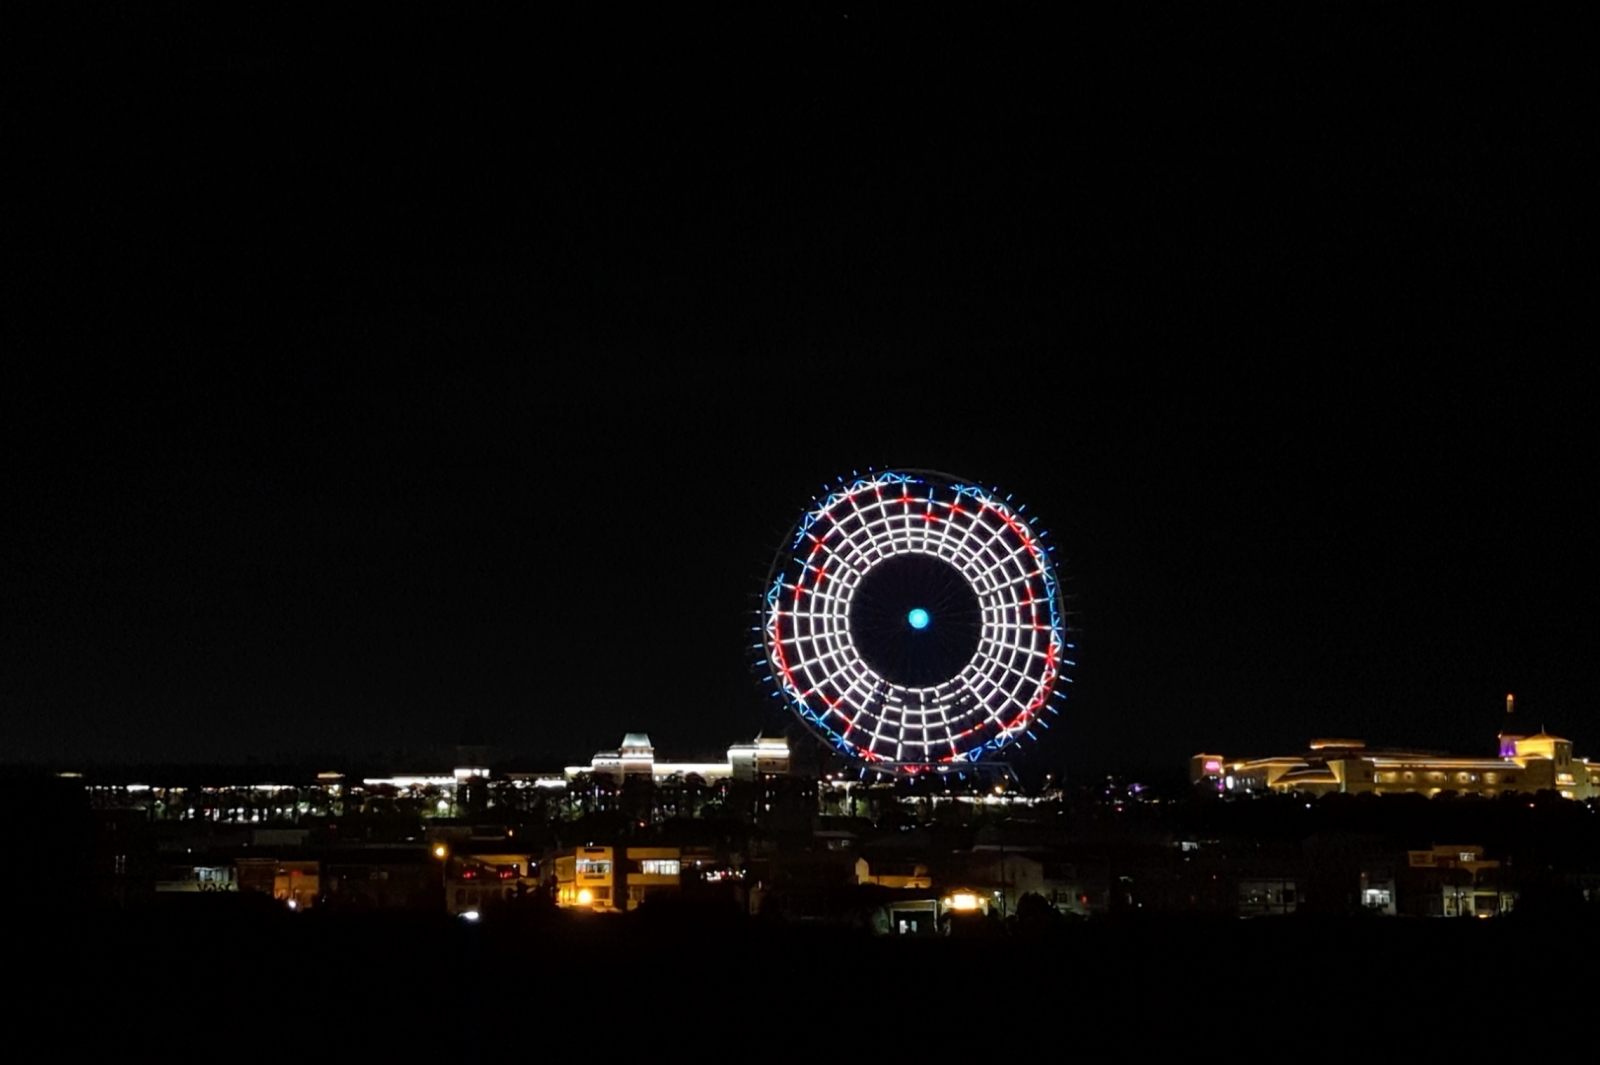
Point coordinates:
[(1023, 677)]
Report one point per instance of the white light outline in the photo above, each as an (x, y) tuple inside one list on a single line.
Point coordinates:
[(1014, 666)]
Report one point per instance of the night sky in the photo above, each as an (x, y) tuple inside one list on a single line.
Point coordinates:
[(377, 386)]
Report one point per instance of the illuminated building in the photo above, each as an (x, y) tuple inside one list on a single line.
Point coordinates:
[(1207, 768), (296, 884), (965, 901), (908, 917), (1006, 873), (229, 804), (902, 876), (1525, 764), (472, 881), (636, 757), (594, 878), (1456, 881), (195, 877), (584, 877), (1265, 895), (652, 871)]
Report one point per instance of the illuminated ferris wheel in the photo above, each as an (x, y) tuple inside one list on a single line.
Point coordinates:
[(915, 622)]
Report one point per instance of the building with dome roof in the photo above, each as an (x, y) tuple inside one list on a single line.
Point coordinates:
[(636, 757), (1525, 764)]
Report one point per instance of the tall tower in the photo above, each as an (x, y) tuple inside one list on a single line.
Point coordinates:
[(1508, 731)]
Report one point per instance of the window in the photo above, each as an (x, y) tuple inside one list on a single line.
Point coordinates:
[(660, 866), (591, 867)]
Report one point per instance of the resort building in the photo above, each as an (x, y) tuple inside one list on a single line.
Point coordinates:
[(765, 756), (1540, 762)]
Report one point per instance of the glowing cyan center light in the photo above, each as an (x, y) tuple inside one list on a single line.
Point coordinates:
[(918, 618)]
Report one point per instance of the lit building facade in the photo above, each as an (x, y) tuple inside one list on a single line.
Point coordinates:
[(585, 877), (651, 872), (475, 876), (296, 884), (1457, 881), (1006, 874), (597, 878), (1540, 762), (636, 757)]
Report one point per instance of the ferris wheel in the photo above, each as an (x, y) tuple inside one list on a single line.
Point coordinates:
[(914, 621)]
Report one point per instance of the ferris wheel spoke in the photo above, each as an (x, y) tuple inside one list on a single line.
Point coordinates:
[(994, 569), (861, 520), (996, 675), (1011, 571), (865, 540), (1020, 678)]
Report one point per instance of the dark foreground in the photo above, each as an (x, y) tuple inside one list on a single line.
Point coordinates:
[(1150, 979)]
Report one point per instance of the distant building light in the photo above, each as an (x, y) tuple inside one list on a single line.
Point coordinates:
[(410, 782), (963, 900)]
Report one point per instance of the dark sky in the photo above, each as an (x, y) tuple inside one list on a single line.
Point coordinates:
[(379, 385)]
